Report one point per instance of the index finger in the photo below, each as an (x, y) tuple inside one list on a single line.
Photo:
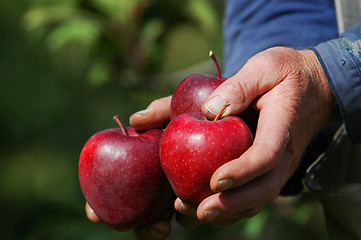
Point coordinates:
[(156, 115), (271, 140)]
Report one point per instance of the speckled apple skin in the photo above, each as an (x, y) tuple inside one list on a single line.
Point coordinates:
[(192, 148), (191, 92), (122, 179)]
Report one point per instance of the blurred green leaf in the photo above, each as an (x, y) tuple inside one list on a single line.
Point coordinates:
[(43, 16), (81, 31), (185, 46), (98, 74), (204, 15), (38, 173), (151, 32), (54, 2), (122, 10)]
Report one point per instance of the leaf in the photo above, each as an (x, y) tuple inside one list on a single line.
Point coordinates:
[(203, 14), (184, 43), (98, 74), (152, 30), (76, 30), (117, 9), (39, 17)]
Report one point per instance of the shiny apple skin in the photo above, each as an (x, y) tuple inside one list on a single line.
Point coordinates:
[(191, 92), (122, 179), (192, 148)]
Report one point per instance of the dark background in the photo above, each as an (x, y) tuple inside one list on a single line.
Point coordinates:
[(66, 68)]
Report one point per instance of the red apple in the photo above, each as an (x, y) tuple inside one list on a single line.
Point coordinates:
[(122, 178), (192, 91), (192, 148)]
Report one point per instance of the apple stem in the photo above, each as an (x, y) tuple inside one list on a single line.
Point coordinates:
[(220, 113), (116, 118), (211, 55)]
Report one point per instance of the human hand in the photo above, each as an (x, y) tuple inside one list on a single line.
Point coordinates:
[(158, 230), (291, 92), (294, 99)]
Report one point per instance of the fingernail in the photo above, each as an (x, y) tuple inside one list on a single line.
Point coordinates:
[(224, 185), (181, 208), (155, 233), (211, 215), (215, 105), (186, 210), (143, 112), (140, 114), (91, 214)]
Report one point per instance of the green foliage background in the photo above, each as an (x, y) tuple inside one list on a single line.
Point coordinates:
[(66, 68)]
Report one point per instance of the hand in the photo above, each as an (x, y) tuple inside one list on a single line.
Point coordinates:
[(156, 231), (294, 99), (292, 94)]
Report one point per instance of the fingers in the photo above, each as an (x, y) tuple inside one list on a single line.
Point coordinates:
[(157, 231), (223, 94), (91, 214), (227, 207), (278, 94), (156, 115), (254, 79), (283, 124), (248, 183), (230, 220), (184, 208), (186, 214), (272, 138), (188, 221), (259, 75)]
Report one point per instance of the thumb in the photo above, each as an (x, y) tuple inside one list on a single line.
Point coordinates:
[(257, 77), (231, 93)]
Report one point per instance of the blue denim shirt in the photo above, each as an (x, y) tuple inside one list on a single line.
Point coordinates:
[(252, 26), (341, 61)]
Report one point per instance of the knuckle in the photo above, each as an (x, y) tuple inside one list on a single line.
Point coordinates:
[(238, 87)]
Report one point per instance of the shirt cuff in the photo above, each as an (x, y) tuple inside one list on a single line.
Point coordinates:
[(341, 62)]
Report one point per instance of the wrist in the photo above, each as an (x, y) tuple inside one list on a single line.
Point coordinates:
[(327, 99)]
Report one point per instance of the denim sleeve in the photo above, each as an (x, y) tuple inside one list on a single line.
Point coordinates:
[(341, 61), (251, 26)]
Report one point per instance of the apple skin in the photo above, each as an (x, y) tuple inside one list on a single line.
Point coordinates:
[(192, 148), (191, 92), (122, 178)]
